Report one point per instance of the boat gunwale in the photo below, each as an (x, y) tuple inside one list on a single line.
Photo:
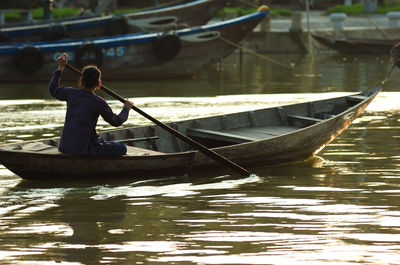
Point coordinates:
[(366, 101), (310, 127), (94, 19), (127, 39)]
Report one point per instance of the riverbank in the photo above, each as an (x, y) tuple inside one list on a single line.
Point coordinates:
[(290, 35)]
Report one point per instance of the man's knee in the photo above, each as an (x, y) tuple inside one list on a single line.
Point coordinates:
[(123, 148), (112, 149)]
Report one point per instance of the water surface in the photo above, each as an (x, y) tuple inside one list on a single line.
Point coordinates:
[(341, 207)]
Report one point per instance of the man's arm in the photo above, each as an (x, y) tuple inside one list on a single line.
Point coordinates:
[(112, 118)]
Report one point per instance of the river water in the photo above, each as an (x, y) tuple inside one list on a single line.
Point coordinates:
[(341, 207)]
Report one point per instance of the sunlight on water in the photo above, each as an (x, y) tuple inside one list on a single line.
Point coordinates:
[(341, 207), (43, 229), (175, 190), (153, 246), (20, 102), (49, 122), (32, 127)]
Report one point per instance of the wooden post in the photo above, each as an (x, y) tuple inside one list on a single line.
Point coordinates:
[(47, 9), (310, 48), (241, 64), (221, 73), (2, 17)]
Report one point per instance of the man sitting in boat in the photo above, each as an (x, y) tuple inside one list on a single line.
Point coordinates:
[(84, 107)]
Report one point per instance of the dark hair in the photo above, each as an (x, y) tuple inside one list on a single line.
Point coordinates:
[(90, 76)]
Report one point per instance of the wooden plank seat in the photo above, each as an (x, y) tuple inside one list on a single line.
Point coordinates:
[(37, 147), (304, 119), (43, 148), (241, 135), (136, 151), (224, 136), (356, 98)]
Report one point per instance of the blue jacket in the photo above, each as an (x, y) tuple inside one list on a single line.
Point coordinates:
[(79, 135)]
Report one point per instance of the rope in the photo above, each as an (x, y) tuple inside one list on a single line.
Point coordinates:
[(378, 28), (269, 59), (395, 53), (388, 75), (254, 53)]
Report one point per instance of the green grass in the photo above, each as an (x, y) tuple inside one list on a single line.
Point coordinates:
[(357, 9), (387, 8), (64, 12), (283, 12), (13, 16), (37, 13), (122, 11), (349, 10)]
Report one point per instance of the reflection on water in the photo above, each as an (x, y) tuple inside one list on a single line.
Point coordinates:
[(22, 120), (325, 73), (341, 207)]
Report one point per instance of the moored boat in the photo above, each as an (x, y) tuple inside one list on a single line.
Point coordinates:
[(181, 53), (194, 13), (357, 45), (259, 137)]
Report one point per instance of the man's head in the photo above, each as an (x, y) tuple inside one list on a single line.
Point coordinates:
[(91, 77)]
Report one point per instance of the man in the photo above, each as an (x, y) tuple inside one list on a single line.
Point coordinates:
[(84, 107)]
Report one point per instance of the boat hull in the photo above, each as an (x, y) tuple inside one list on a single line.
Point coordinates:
[(191, 14), (297, 145), (133, 56), (357, 46)]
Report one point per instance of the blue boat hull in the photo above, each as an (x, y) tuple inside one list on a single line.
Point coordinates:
[(190, 14), (181, 53)]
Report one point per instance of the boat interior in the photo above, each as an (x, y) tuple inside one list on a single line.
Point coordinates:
[(215, 131)]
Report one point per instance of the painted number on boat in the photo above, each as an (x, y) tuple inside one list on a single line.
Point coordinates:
[(107, 52), (114, 52)]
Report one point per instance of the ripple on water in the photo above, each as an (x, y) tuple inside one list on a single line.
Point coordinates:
[(342, 211)]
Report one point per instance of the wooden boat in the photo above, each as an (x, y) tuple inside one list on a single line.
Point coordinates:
[(194, 13), (21, 4), (355, 45), (260, 137), (181, 53)]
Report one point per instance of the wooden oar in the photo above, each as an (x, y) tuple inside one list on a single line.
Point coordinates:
[(217, 157)]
